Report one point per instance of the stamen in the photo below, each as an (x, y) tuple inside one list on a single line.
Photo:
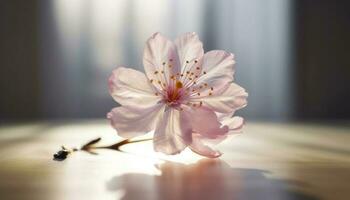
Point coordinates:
[(199, 94), (156, 72), (179, 84), (204, 72), (187, 61), (163, 63)]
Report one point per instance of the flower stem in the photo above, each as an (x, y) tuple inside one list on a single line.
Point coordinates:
[(88, 147)]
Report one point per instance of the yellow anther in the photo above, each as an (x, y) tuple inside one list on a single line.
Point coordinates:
[(179, 84)]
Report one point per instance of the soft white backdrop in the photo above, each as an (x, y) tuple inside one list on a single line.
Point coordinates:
[(82, 41)]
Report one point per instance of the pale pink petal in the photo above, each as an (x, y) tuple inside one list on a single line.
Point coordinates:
[(223, 116), (173, 133), (132, 88), (205, 122), (160, 58), (200, 147), (217, 69), (132, 121), (231, 99), (189, 48), (235, 124)]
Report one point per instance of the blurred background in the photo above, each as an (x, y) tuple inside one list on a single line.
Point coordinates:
[(56, 56)]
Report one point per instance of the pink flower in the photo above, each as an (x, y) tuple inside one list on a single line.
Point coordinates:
[(187, 97)]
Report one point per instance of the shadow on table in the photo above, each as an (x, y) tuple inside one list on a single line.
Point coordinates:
[(206, 179)]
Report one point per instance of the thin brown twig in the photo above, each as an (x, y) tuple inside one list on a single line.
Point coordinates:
[(90, 146)]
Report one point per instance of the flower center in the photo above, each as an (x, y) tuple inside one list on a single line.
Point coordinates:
[(182, 87), (174, 95)]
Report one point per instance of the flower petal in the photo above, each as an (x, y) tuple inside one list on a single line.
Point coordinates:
[(200, 147), (223, 116), (217, 69), (132, 121), (235, 124), (132, 88), (173, 133), (233, 98), (189, 48), (160, 58), (205, 122)]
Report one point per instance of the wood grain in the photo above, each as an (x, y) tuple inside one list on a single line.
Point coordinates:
[(269, 161)]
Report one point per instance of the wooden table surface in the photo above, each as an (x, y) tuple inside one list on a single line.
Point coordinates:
[(269, 161)]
